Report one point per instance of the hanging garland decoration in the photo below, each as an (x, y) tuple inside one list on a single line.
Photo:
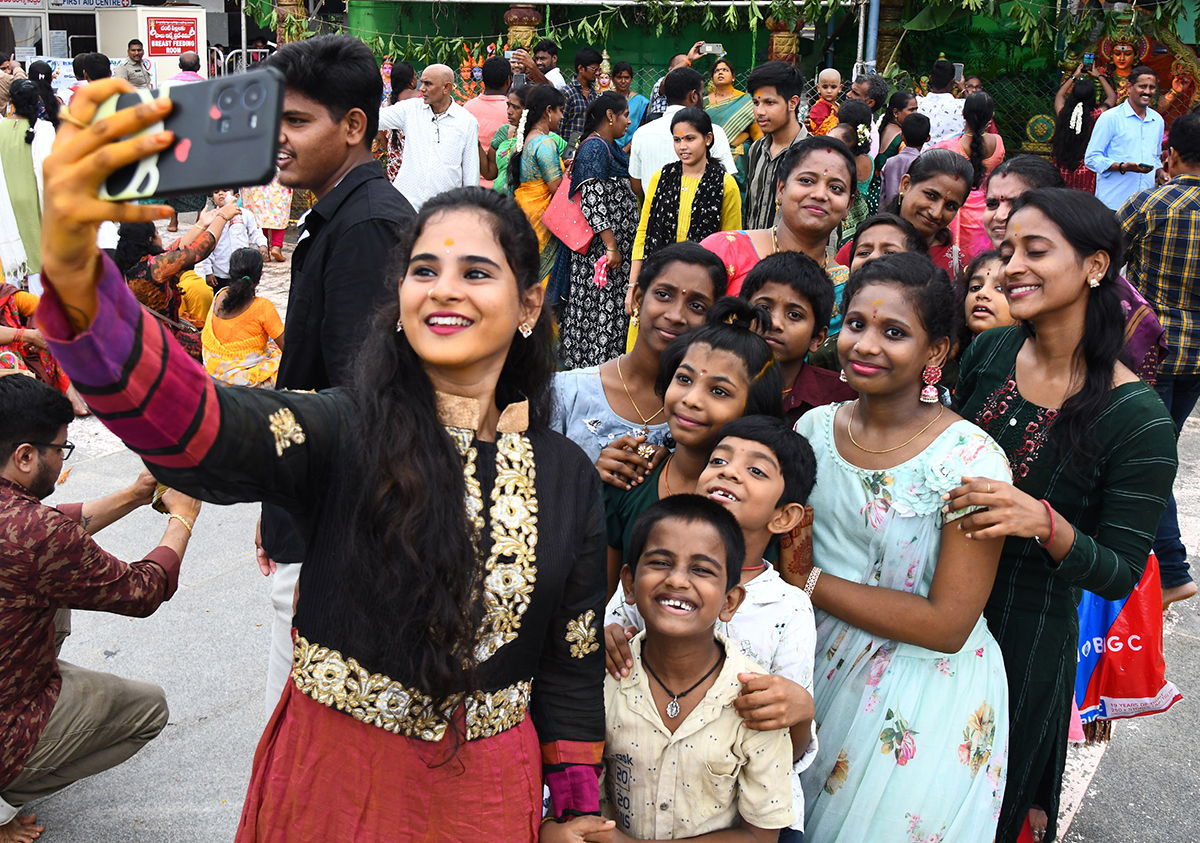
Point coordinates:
[(658, 16)]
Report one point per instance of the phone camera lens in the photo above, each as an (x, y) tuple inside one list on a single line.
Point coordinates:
[(227, 99), (255, 94)]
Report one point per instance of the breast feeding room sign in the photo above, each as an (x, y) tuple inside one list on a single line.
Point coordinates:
[(171, 36)]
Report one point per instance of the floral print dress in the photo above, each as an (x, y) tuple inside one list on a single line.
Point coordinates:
[(914, 742)]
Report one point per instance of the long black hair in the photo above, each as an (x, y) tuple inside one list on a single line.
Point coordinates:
[(25, 99), (42, 75), (897, 102), (734, 325), (245, 270), (978, 110), (538, 101), (606, 102), (1073, 128), (412, 566), (135, 241), (1090, 227)]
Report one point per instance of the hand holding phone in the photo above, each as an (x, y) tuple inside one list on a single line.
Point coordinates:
[(226, 131), (72, 209)]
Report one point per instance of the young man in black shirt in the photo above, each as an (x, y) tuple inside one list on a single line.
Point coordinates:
[(340, 265)]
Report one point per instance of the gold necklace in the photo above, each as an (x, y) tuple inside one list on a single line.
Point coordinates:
[(667, 477), (645, 421), (775, 243), (850, 433)]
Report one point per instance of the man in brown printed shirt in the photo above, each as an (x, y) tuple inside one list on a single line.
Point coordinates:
[(61, 723)]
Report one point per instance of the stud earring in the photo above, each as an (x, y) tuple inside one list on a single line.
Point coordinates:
[(1093, 283), (399, 326), (610, 121), (633, 319), (525, 330), (842, 375), (931, 376)]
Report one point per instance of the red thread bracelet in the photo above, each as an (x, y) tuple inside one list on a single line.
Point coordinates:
[(1049, 512)]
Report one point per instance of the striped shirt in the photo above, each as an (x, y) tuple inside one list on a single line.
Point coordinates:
[(1162, 239)]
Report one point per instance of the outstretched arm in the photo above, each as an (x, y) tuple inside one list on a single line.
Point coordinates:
[(98, 514)]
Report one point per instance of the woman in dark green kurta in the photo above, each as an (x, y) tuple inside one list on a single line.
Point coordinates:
[(1093, 457)]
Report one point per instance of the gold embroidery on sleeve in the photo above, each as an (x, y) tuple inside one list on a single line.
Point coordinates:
[(286, 430), (581, 635)]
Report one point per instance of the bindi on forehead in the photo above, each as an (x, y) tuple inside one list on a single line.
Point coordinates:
[(449, 241)]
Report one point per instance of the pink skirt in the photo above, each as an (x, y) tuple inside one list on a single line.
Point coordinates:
[(320, 774)]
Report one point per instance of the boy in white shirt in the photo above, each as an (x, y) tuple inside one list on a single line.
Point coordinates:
[(679, 760), (762, 472)]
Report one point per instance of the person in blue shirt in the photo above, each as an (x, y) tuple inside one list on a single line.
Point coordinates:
[(1125, 151)]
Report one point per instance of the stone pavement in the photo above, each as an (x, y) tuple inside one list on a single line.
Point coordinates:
[(208, 648)]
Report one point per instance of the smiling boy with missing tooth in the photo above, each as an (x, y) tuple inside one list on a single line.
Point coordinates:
[(762, 473), (683, 763)]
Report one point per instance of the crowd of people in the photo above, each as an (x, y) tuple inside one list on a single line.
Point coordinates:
[(706, 464)]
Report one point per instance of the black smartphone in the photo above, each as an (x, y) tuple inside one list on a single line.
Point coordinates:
[(1089, 61), (518, 80), (226, 134)]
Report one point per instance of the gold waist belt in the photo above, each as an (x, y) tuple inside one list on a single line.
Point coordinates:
[(373, 698)]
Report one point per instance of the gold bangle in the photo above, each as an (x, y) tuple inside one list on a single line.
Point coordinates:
[(173, 516)]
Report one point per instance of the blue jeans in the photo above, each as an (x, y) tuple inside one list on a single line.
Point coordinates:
[(1180, 393)]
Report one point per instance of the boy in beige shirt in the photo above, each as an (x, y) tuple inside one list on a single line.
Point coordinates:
[(679, 761)]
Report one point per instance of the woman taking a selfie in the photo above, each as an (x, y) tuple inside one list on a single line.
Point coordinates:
[(447, 643)]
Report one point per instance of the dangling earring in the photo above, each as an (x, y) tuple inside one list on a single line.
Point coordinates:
[(399, 326), (610, 121), (931, 376), (1093, 283), (525, 330), (633, 319), (842, 375)]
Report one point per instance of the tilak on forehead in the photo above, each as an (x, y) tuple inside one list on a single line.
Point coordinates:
[(449, 241)]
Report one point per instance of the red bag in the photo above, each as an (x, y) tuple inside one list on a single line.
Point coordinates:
[(1121, 671), (564, 219)]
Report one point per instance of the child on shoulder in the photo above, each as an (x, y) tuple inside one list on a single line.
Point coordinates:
[(680, 761), (762, 473), (823, 115), (796, 291)]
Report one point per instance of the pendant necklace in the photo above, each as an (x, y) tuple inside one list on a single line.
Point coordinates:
[(673, 705), (632, 403)]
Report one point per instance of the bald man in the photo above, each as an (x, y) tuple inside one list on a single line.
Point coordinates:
[(441, 139), (189, 69), (658, 102)]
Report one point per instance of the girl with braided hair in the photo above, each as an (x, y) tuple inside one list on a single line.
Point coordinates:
[(535, 169), (25, 142), (243, 337), (1076, 116), (984, 149)]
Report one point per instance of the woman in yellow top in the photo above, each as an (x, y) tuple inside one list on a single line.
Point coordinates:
[(243, 337), (688, 199)]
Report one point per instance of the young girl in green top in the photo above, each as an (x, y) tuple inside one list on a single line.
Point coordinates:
[(709, 376)]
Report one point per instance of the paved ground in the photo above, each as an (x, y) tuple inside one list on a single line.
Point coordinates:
[(208, 648)]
